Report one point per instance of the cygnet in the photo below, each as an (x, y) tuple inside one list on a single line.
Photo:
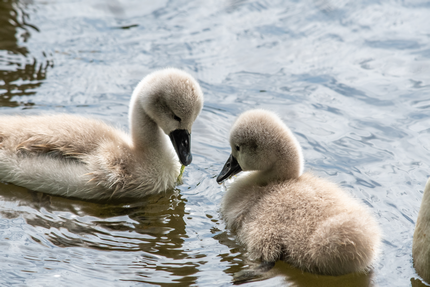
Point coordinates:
[(73, 156), (280, 213)]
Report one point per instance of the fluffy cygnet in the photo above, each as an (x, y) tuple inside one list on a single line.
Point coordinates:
[(421, 242), (278, 213), (85, 158)]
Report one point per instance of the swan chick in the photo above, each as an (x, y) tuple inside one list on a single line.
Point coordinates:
[(84, 158), (421, 241), (280, 213)]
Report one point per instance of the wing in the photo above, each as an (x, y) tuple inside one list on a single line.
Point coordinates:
[(64, 136)]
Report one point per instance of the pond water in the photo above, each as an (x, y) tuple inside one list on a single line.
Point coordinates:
[(350, 78)]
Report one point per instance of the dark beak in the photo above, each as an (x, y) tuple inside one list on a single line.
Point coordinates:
[(181, 140), (230, 168)]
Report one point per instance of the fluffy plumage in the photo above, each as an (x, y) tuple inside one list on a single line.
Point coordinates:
[(421, 242), (85, 158), (277, 212)]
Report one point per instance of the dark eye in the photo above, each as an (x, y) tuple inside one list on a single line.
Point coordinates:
[(237, 148), (176, 118)]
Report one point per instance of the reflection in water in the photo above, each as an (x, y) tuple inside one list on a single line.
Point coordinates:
[(297, 278), (417, 283), (13, 26), (20, 81), (235, 256), (20, 73), (154, 228), (293, 277)]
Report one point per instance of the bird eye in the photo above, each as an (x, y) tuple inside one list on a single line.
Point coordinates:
[(176, 118), (237, 148)]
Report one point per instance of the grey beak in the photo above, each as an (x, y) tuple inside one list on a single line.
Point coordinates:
[(181, 140), (230, 168)]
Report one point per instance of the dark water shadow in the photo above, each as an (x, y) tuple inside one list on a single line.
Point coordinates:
[(416, 282), (290, 275), (20, 72), (154, 227), (296, 277)]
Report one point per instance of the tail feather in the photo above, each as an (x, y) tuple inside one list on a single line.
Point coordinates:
[(343, 244)]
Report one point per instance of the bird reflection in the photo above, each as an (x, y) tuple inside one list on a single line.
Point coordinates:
[(242, 270), (20, 73), (417, 283), (154, 227)]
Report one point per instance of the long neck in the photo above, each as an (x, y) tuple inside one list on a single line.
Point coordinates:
[(145, 133)]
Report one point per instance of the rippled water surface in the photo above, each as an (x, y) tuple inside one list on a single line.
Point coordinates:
[(350, 78)]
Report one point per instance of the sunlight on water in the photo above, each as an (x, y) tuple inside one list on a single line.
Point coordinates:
[(351, 80)]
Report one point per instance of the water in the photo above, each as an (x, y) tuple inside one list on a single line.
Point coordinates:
[(350, 78)]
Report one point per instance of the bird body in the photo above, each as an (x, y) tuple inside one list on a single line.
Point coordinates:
[(421, 241), (85, 158), (280, 213)]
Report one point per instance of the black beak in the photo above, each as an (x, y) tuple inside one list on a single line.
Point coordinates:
[(230, 168), (181, 140)]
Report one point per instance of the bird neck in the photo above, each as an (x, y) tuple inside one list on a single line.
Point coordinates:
[(288, 164), (290, 169), (279, 173), (145, 133)]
